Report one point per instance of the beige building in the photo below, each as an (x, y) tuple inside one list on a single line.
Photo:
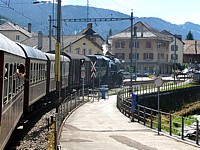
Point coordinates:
[(81, 44), (87, 42), (15, 32), (175, 56), (150, 52)]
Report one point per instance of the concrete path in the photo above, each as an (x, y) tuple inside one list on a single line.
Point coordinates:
[(100, 126)]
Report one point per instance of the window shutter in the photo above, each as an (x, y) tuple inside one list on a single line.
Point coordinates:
[(115, 44)]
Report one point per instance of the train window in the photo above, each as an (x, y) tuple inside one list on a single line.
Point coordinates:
[(6, 84), (53, 66), (45, 71), (6, 71), (37, 72), (34, 76), (31, 73), (17, 79), (40, 74), (14, 78), (10, 81)]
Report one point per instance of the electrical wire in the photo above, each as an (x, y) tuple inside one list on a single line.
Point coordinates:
[(22, 14), (106, 21)]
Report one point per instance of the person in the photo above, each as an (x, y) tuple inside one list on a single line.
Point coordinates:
[(20, 73), (134, 102)]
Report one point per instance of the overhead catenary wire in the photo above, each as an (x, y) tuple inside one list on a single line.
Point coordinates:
[(21, 13)]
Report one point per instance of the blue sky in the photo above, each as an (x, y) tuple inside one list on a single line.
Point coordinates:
[(174, 11)]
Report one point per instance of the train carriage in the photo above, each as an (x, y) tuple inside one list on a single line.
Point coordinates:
[(11, 88), (51, 81), (74, 71), (35, 85)]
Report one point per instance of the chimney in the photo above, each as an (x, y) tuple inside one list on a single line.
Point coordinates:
[(29, 27), (40, 40), (89, 25)]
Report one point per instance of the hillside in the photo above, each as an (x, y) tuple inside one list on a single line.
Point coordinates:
[(38, 15)]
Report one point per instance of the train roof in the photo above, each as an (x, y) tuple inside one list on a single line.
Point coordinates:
[(9, 46), (72, 56), (95, 57), (75, 56), (32, 52), (52, 57)]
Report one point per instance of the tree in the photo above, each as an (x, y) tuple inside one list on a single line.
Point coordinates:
[(189, 36)]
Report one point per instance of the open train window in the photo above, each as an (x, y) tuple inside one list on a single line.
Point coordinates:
[(31, 73), (40, 73), (10, 81), (14, 79), (44, 71), (5, 100), (37, 72), (34, 75)]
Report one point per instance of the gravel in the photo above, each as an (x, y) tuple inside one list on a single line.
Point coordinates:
[(38, 137)]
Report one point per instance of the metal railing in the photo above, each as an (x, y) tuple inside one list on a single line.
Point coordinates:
[(177, 126)]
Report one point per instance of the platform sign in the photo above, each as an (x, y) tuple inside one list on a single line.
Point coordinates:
[(93, 69), (82, 72)]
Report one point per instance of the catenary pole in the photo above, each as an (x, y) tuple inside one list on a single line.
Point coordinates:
[(131, 57)]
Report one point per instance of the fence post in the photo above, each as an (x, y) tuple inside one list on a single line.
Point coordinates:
[(197, 133), (182, 134), (151, 118), (170, 124)]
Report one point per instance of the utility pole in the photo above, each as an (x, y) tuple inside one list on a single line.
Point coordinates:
[(175, 48), (50, 33), (131, 58), (57, 73), (87, 10), (135, 35)]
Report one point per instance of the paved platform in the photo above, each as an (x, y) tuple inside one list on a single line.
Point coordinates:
[(100, 126)]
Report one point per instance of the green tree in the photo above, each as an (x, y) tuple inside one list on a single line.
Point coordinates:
[(189, 36)]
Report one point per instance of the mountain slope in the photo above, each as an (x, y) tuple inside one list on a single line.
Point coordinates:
[(22, 12)]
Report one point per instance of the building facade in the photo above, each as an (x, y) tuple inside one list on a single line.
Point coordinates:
[(15, 32), (150, 49), (191, 54)]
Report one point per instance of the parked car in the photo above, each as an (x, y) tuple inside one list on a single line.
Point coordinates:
[(185, 71)]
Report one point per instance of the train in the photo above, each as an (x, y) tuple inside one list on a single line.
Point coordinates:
[(27, 79), (107, 71)]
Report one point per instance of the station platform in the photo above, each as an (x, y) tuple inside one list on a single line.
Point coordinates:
[(99, 125)]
